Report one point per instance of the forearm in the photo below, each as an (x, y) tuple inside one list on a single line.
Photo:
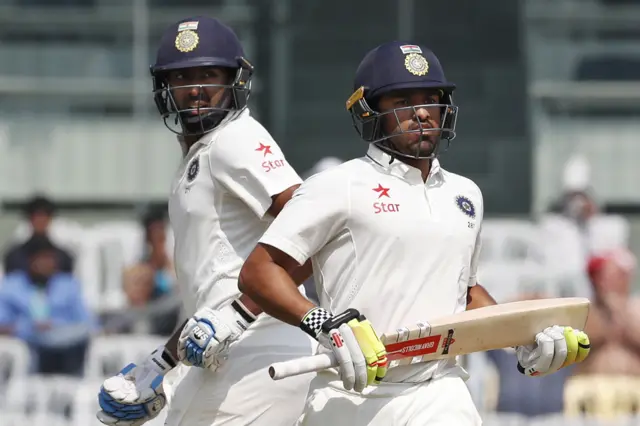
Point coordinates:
[(274, 291), (597, 326), (479, 297), (172, 344)]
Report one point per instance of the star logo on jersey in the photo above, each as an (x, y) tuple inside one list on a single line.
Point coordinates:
[(381, 206), (265, 149), (382, 192)]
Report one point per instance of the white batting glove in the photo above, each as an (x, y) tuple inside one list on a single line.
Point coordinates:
[(135, 395), (556, 347), (206, 337), (362, 358)]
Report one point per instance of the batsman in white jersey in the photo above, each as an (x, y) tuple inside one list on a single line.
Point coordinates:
[(394, 240), (232, 181)]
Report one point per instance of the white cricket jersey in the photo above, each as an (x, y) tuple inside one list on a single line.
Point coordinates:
[(218, 206), (386, 243)]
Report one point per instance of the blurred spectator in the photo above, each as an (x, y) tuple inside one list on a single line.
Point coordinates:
[(45, 308), (613, 324), (578, 206), (138, 283), (155, 254), (528, 396), (149, 286), (39, 212)]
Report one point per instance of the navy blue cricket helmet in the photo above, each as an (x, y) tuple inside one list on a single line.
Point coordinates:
[(193, 42), (395, 66)]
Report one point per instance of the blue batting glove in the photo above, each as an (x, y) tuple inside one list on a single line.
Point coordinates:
[(135, 395)]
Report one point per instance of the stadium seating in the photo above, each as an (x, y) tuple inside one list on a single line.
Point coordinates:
[(518, 258)]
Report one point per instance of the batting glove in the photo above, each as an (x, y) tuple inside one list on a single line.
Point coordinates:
[(361, 356), (205, 339), (135, 395), (555, 347)]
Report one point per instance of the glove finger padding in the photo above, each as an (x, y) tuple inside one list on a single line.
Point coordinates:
[(584, 346), (578, 346), (118, 414), (535, 359), (194, 338), (572, 346), (206, 337), (357, 364), (372, 348), (556, 347), (560, 348)]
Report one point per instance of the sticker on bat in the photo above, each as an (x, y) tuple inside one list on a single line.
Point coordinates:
[(448, 341), (414, 347)]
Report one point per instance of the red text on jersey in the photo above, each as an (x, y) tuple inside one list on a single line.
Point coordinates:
[(379, 207), (272, 165)]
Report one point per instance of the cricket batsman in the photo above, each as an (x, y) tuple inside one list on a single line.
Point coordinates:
[(232, 181), (394, 239)]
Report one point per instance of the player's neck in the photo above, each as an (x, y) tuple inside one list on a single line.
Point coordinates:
[(190, 140), (422, 164)]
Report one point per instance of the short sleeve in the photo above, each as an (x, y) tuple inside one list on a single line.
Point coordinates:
[(251, 165), (317, 213), (473, 274), (475, 258)]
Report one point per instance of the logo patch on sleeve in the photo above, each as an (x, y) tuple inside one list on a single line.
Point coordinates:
[(193, 169), (466, 206)]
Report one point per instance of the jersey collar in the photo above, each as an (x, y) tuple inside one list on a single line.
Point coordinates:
[(399, 168), (232, 116)]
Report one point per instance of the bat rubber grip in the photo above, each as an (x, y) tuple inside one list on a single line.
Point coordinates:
[(308, 364)]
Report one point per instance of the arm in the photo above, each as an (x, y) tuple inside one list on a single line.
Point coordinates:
[(266, 277), (300, 274), (597, 325), (622, 326), (314, 215), (478, 297), (312, 219)]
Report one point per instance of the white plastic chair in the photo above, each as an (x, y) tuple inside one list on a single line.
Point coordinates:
[(36, 395), (607, 232), (14, 358), (109, 354), (510, 240), (107, 248)]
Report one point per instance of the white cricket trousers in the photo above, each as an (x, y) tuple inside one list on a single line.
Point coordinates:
[(241, 392), (442, 402)]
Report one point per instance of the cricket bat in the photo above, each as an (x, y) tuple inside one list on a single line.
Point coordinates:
[(493, 327)]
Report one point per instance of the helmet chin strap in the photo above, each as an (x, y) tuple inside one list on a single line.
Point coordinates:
[(390, 148), (200, 125)]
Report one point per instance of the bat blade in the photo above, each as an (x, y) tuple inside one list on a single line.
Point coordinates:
[(493, 327)]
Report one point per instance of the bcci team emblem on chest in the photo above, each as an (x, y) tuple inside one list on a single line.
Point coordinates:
[(466, 206), (193, 169), (416, 64), (187, 38)]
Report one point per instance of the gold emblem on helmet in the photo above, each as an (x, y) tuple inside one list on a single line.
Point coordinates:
[(355, 97), (416, 64), (187, 40)]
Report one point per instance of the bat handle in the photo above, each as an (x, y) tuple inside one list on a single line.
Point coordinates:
[(308, 364)]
